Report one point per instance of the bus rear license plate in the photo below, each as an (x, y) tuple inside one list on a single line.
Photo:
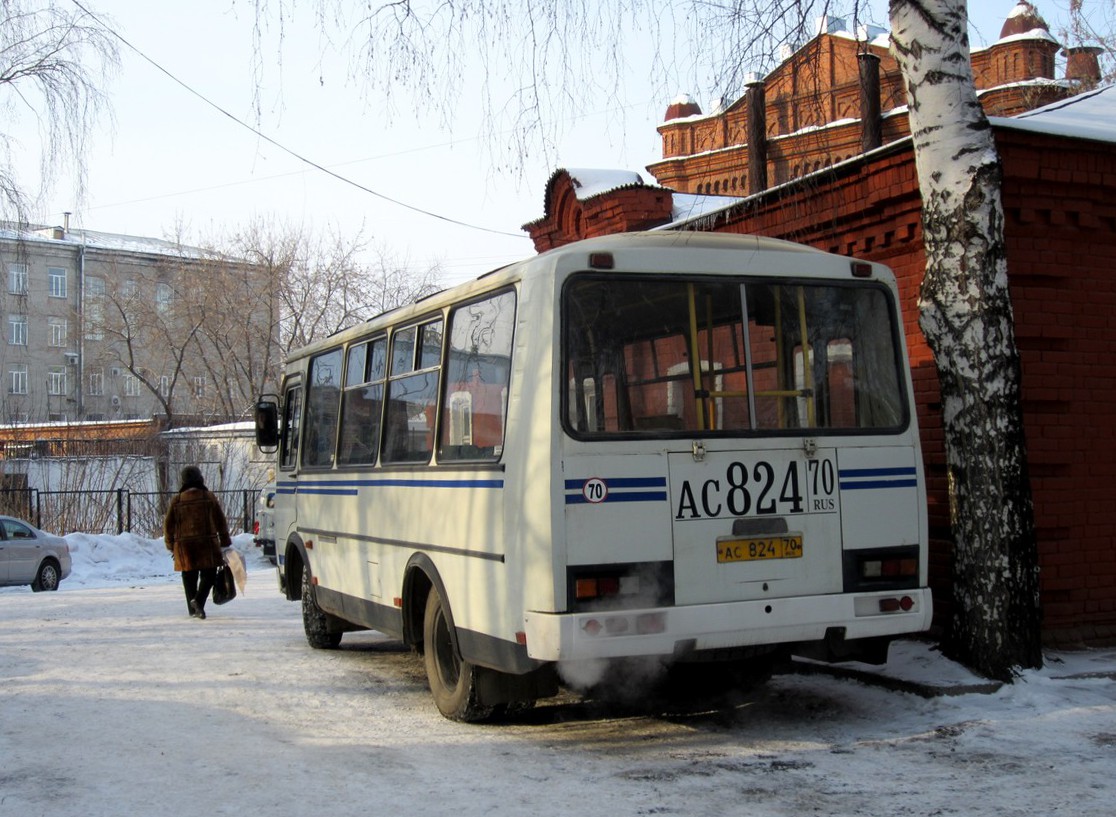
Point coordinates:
[(768, 547)]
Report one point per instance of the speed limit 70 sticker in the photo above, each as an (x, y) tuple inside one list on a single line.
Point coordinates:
[(599, 490), (595, 490)]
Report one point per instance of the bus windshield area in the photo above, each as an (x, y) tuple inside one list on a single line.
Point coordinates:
[(648, 356)]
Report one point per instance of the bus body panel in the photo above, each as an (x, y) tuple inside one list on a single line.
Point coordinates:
[(616, 508), (373, 531), (882, 496)]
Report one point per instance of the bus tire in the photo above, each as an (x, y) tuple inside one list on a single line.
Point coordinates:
[(314, 621), (453, 681)]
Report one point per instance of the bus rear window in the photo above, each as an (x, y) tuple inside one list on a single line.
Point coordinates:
[(647, 356)]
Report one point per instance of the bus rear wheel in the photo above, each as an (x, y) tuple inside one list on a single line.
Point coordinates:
[(453, 681)]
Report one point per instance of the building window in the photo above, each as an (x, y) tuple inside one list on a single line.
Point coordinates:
[(97, 383), (199, 387), (129, 297), (57, 330), (17, 330), (56, 380), (94, 308), (17, 379), (164, 297), (164, 387), (57, 277), (131, 385), (17, 279)]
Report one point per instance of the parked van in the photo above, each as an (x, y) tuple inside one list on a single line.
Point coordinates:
[(263, 528)]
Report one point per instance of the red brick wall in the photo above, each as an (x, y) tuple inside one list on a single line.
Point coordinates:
[(569, 218), (1061, 248), (818, 86)]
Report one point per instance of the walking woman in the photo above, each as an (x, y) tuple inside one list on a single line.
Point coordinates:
[(195, 530)]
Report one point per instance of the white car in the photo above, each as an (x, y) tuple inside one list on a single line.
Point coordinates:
[(30, 556), (263, 529)]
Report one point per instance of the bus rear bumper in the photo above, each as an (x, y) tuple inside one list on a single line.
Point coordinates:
[(669, 631)]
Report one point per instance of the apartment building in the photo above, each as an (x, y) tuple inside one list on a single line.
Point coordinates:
[(100, 326)]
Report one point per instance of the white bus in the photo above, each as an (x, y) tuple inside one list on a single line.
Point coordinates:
[(678, 447)]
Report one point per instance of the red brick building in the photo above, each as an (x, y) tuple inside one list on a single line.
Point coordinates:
[(818, 155)]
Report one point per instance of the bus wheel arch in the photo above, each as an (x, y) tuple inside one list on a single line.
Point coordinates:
[(419, 579), (294, 565)]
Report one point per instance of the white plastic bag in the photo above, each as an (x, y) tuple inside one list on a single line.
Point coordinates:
[(236, 565)]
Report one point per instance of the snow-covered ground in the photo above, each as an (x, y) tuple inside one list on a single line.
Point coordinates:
[(115, 702)]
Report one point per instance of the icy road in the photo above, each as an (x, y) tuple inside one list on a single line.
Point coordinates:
[(115, 702)]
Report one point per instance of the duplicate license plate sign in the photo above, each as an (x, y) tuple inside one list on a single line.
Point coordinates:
[(788, 546)]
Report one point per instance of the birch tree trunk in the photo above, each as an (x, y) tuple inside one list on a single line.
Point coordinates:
[(966, 316)]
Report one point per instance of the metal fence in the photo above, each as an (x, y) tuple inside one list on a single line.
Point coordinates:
[(114, 511)]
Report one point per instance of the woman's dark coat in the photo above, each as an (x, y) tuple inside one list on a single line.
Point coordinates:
[(195, 529)]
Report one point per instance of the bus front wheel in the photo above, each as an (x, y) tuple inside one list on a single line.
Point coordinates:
[(453, 681), (315, 622)]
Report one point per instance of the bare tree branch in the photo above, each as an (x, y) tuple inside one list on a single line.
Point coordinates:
[(54, 64)]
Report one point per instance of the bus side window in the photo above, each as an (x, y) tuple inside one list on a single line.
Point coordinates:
[(412, 393), (478, 367), (292, 422), (323, 402), (362, 403)]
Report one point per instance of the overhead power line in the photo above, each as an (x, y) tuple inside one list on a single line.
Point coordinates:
[(279, 145)]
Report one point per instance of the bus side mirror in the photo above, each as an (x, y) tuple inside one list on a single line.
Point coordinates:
[(267, 425)]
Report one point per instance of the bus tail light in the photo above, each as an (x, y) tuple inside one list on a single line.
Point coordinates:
[(599, 587), (620, 586), (638, 624), (891, 605), (881, 569), (601, 260), (888, 568)]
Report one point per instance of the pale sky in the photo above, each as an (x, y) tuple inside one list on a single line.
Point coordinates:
[(174, 162)]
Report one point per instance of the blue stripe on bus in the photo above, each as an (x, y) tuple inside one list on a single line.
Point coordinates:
[(864, 479), (635, 496), (905, 471), (348, 487), (619, 482), (894, 483), (437, 483), (313, 489)]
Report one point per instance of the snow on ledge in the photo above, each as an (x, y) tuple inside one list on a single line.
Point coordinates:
[(590, 182), (1091, 115)]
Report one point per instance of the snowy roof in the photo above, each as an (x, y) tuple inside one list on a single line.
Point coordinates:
[(236, 428), (1033, 34), (1025, 23), (113, 242), (689, 206), (1091, 115), (590, 182)]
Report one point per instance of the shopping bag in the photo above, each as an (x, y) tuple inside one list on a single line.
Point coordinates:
[(224, 588)]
